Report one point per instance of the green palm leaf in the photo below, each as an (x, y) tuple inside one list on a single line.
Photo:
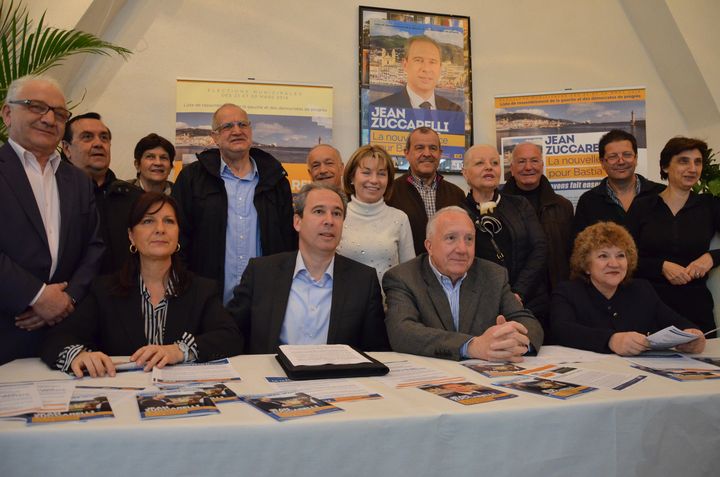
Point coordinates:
[(26, 49)]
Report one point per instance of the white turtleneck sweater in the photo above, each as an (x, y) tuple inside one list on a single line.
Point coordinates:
[(376, 235)]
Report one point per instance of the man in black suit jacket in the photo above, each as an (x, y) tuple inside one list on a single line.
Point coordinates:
[(422, 65), (49, 245), (313, 296)]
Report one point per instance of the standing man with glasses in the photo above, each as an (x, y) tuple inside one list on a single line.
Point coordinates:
[(49, 244), (235, 203), (611, 200)]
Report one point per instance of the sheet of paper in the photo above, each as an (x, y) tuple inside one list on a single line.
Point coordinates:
[(55, 395), (16, 399), (671, 361), (115, 394), (586, 377), (213, 371), (561, 354), (330, 390), (318, 355), (670, 337), (406, 374)]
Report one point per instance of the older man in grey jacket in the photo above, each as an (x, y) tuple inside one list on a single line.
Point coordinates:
[(448, 304)]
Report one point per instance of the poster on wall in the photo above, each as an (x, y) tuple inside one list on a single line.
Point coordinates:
[(287, 119), (415, 71), (568, 125)]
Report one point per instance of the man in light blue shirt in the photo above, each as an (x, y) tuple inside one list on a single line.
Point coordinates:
[(234, 203), (241, 233), (313, 296)]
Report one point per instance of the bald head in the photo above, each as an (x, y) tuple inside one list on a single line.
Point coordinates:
[(232, 132), (325, 165)]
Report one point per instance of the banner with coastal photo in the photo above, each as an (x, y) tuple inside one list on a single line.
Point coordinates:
[(415, 71), (568, 125), (287, 119)]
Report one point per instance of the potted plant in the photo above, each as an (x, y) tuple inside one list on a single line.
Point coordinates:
[(709, 182), (28, 49)]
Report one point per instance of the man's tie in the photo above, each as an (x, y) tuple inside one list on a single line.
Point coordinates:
[(425, 105)]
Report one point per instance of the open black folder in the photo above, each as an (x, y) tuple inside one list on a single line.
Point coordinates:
[(372, 367)]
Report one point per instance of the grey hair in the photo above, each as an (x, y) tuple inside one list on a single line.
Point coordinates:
[(324, 145), (537, 146), (226, 105), (301, 196), (18, 84), (430, 228)]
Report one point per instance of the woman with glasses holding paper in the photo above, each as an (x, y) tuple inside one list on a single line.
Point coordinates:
[(153, 309), (673, 231), (601, 308), (508, 230)]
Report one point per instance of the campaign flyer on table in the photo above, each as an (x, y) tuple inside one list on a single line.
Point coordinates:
[(415, 71), (467, 393), (567, 125), (287, 119), (285, 406)]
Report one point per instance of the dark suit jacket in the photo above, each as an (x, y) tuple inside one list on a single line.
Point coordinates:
[(401, 99), (24, 252), (419, 320), (115, 324), (260, 300)]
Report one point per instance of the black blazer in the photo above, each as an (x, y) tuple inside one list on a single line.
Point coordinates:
[(581, 317), (260, 300), (24, 252), (115, 325)]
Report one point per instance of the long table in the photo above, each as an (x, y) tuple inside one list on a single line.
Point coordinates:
[(656, 427)]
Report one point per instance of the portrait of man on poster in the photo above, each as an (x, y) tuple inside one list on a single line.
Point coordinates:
[(423, 68)]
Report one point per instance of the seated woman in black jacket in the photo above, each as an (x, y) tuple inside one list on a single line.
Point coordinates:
[(153, 310), (602, 309)]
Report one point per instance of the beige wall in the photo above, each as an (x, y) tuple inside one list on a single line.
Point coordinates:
[(517, 46)]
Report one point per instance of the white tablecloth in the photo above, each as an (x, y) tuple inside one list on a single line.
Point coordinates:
[(656, 427)]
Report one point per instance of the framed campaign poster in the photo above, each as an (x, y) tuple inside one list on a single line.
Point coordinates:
[(567, 126), (415, 71)]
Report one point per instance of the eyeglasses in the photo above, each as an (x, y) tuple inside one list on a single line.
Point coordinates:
[(62, 115), (614, 157), (225, 127)]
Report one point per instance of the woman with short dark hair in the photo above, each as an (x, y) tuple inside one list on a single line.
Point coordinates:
[(673, 231), (154, 156)]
